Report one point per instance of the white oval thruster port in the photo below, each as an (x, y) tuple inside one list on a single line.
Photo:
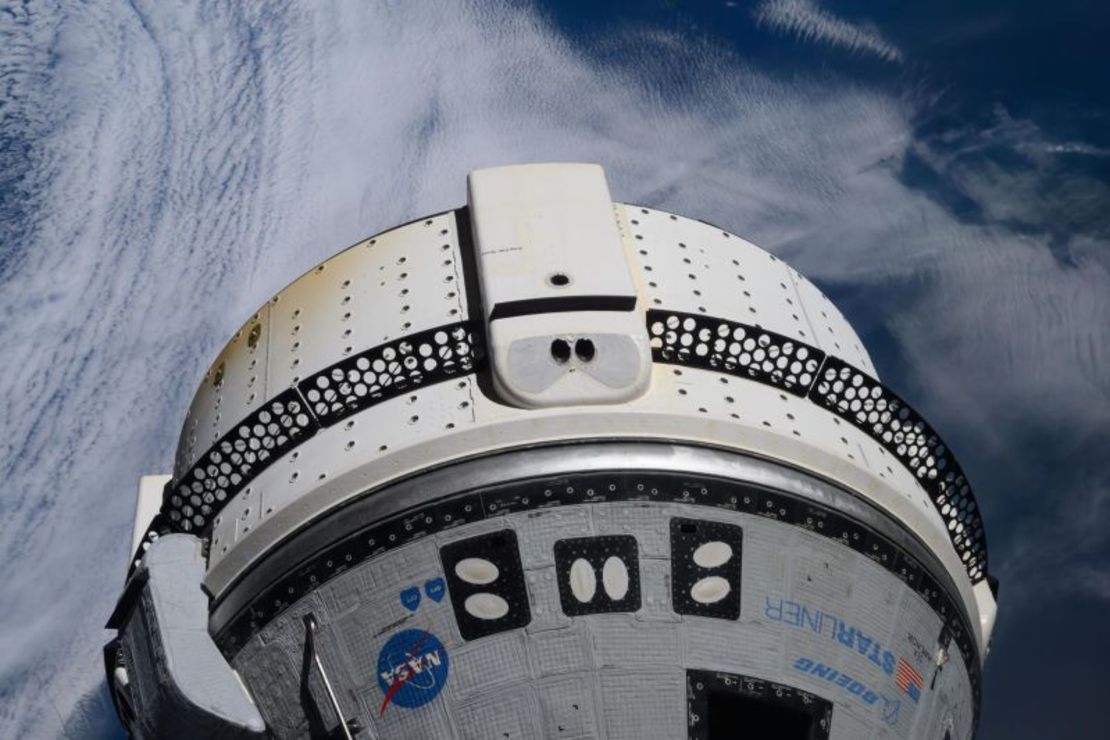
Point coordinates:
[(710, 590), (713, 554), (477, 571), (486, 606), (583, 581), (614, 576)]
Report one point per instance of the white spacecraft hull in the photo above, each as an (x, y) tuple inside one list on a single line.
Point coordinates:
[(553, 466)]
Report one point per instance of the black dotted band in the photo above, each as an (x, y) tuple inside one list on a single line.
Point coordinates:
[(192, 502), (757, 354), (354, 384)]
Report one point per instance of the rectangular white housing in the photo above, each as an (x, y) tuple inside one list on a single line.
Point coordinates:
[(557, 289)]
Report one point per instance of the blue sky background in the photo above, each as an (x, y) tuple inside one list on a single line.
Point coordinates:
[(941, 169)]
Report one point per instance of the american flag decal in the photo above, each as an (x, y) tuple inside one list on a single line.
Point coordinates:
[(909, 680)]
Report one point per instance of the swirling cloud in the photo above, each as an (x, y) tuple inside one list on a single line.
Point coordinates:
[(809, 22)]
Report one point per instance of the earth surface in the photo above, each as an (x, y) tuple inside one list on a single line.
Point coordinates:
[(941, 170)]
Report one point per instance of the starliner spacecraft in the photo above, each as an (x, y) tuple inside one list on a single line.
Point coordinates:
[(552, 466)]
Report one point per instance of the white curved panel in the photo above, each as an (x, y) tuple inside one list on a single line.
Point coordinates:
[(830, 330), (697, 268), (396, 284), (236, 383)]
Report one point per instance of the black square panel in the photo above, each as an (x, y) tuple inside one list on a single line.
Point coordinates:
[(725, 706), (486, 582), (598, 574), (705, 568)]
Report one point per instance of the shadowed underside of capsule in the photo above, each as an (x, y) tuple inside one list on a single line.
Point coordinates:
[(553, 466)]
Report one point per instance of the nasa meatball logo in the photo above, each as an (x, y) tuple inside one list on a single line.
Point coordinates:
[(412, 669)]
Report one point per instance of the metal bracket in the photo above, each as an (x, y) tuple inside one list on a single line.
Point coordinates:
[(349, 727)]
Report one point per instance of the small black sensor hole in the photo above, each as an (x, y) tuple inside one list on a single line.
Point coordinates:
[(560, 350)]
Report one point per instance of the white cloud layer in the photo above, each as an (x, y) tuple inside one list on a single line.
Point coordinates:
[(809, 22), (187, 161)]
